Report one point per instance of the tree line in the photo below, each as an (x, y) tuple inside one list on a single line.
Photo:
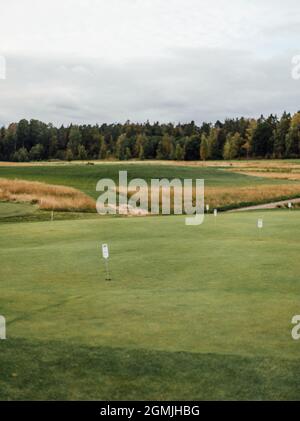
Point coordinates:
[(240, 138)]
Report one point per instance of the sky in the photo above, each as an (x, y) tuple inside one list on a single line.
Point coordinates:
[(96, 61)]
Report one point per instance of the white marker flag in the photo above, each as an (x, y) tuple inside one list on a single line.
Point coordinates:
[(105, 252), (260, 223), (216, 212), (289, 205), (2, 328), (207, 208)]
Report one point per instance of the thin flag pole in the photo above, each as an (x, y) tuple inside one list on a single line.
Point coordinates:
[(105, 255)]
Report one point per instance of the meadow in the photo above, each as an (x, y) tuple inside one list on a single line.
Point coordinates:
[(46, 196), (226, 187), (191, 313), (84, 177)]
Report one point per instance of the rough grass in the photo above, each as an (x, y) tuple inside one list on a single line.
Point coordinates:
[(281, 174), (224, 188), (46, 196), (227, 198), (85, 177), (62, 198)]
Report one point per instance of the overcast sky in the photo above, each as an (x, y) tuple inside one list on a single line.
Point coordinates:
[(88, 61)]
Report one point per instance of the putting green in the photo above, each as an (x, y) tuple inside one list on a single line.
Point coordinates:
[(191, 313)]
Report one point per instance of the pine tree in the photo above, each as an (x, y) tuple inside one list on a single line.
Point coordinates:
[(280, 136), (293, 137)]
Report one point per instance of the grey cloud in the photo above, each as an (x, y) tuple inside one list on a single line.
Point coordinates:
[(184, 84)]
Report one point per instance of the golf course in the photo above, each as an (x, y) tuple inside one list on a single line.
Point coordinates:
[(191, 312)]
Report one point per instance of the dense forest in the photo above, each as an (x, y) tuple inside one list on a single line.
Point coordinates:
[(240, 138)]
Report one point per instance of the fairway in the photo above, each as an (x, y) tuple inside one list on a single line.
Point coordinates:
[(191, 312)]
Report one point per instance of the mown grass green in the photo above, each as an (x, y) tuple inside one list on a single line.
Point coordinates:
[(191, 313)]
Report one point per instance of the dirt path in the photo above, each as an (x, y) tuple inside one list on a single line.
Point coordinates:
[(272, 205)]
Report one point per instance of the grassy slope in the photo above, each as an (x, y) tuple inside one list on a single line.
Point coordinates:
[(191, 313), (24, 212), (85, 177), (11, 210)]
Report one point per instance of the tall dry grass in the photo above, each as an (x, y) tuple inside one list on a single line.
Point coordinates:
[(46, 196), (61, 198), (232, 197), (276, 175), (220, 197)]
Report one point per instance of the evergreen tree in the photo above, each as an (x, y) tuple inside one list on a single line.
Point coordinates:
[(293, 137), (235, 138), (280, 136), (262, 138), (53, 146), (23, 134), (192, 146)]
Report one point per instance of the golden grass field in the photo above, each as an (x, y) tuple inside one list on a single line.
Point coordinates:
[(292, 176), (230, 197), (219, 197), (63, 198), (46, 196)]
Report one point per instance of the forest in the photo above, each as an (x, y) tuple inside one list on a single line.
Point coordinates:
[(240, 138)]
